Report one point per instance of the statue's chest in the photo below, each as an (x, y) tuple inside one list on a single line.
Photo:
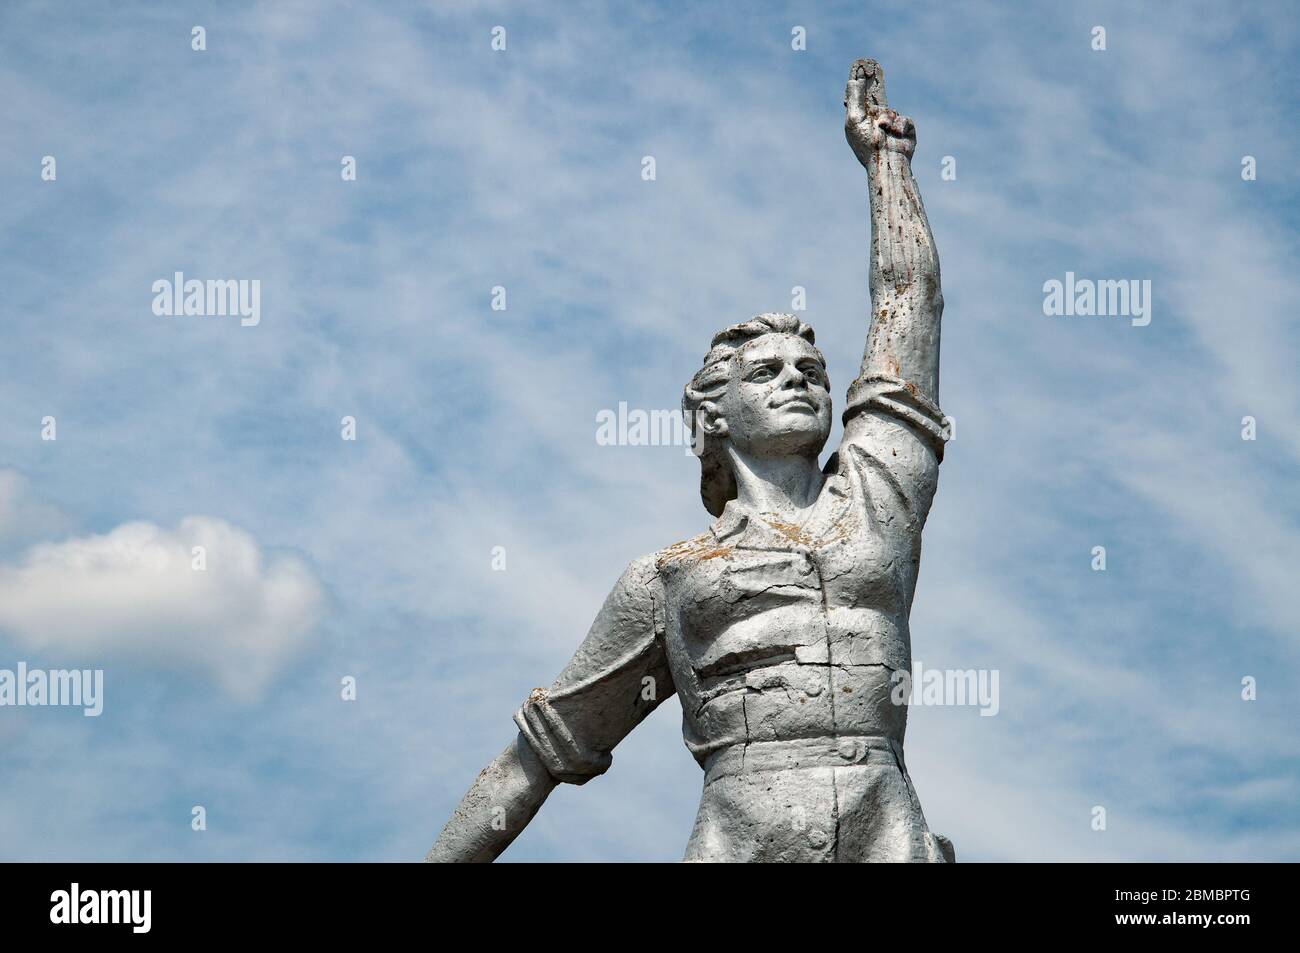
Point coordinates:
[(770, 592)]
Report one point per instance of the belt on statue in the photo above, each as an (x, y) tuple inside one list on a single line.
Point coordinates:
[(844, 751)]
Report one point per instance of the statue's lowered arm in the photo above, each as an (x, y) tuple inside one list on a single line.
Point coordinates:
[(500, 803), (567, 732)]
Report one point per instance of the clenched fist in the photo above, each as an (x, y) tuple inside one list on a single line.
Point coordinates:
[(869, 124)]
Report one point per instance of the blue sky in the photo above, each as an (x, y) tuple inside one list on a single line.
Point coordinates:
[(476, 428)]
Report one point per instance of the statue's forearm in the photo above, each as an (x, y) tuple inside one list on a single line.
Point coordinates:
[(503, 799), (903, 257), (906, 301)]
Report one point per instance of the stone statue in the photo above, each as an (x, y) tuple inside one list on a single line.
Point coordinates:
[(783, 629)]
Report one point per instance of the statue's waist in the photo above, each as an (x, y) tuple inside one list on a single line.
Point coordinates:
[(810, 633), (798, 753), (791, 701)]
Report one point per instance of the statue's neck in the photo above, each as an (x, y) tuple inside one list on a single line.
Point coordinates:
[(782, 485)]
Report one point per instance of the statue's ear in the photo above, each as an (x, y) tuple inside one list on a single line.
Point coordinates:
[(709, 419)]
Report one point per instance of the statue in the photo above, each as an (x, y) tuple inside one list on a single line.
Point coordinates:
[(783, 629)]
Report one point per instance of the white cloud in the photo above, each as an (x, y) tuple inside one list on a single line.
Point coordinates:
[(133, 594)]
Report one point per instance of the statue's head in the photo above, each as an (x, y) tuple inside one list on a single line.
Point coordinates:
[(762, 392)]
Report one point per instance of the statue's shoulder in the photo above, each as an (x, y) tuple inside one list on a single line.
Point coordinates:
[(697, 549), (642, 570)]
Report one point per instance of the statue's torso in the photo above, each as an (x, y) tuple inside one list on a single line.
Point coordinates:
[(777, 632), (788, 647)]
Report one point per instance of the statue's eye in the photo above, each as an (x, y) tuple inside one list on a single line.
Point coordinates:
[(761, 374)]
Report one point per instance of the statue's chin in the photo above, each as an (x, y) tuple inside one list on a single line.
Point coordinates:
[(805, 433), (792, 440)]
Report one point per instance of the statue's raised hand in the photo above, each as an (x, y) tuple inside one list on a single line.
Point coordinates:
[(869, 124)]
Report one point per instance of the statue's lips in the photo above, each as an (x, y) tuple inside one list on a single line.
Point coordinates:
[(798, 403)]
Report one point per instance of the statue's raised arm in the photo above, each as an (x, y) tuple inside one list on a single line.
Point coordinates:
[(906, 300)]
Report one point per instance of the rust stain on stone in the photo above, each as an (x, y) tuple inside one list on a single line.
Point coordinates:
[(699, 549), (792, 532)]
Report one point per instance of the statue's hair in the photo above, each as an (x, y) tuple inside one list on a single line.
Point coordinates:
[(717, 481)]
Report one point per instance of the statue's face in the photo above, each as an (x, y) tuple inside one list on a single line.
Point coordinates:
[(777, 402)]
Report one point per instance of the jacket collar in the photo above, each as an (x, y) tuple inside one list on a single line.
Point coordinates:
[(733, 521)]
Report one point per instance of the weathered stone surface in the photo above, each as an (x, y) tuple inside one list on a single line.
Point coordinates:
[(784, 627)]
